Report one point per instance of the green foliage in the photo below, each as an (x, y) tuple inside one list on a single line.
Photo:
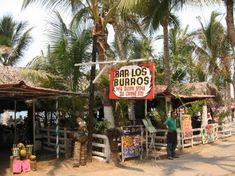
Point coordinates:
[(120, 112), (181, 49), (100, 126), (72, 104), (222, 115), (159, 114), (104, 81), (68, 46), (156, 116), (212, 52), (16, 37), (196, 106)]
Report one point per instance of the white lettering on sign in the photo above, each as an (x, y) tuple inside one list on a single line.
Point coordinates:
[(132, 81)]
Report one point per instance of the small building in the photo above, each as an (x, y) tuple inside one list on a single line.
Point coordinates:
[(18, 93), (166, 100)]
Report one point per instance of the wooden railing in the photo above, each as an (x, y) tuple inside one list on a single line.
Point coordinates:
[(49, 141), (100, 146), (221, 131)]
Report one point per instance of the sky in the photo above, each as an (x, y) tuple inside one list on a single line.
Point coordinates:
[(38, 19)]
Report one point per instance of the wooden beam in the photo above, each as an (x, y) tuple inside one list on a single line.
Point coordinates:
[(113, 62)]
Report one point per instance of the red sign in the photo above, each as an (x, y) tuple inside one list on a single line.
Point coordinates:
[(133, 82)]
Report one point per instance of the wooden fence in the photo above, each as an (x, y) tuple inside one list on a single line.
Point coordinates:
[(219, 131), (100, 144), (49, 141)]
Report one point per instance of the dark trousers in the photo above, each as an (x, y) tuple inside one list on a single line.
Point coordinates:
[(171, 143)]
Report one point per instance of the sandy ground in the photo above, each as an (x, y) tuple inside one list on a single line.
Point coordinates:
[(216, 159)]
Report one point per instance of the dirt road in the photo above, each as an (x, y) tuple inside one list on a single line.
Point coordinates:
[(205, 160)]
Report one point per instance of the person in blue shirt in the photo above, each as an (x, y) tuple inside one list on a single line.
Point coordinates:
[(171, 135)]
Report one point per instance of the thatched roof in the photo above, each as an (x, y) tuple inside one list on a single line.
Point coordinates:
[(15, 85), (189, 90), (12, 75)]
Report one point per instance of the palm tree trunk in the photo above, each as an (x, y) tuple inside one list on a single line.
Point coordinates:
[(166, 59), (75, 79), (91, 102), (120, 42), (233, 80), (101, 34), (230, 21), (230, 27)]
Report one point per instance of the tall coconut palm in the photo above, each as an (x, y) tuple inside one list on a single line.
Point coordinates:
[(68, 46), (100, 13), (230, 27), (212, 39), (230, 20), (214, 53), (156, 13), (14, 40)]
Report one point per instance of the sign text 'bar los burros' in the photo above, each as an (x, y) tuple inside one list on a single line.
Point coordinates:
[(132, 82)]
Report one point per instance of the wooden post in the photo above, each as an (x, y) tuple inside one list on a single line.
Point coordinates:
[(91, 100), (146, 131), (107, 149), (15, 122), (48, 136), (204, 116), (34, 125), (57, 131)]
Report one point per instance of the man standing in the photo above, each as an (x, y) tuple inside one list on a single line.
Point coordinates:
[(171, 135)]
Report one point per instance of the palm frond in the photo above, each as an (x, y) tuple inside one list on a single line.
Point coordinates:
[(63, 5), (127, 5), (79, 17)]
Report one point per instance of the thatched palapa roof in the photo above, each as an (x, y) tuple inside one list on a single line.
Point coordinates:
[(15, 85), (12, 75), (189, 90)]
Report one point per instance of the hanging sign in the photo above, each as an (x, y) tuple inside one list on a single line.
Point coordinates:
[(133, 82)]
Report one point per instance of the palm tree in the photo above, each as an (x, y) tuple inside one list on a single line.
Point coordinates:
[(214, 53), (230, 28), (156, 13), (212, 42), (230, 21), (14, 40), (68, 46), (181, 49)]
